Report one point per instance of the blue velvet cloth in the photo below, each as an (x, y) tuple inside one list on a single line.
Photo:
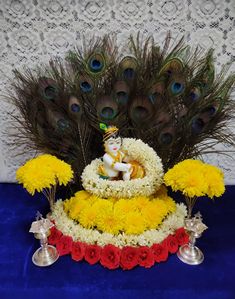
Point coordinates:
[(19, 278)]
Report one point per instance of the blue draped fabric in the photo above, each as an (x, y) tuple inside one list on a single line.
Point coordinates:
[(19, 278)]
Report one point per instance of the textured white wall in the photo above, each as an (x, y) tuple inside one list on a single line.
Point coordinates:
[(32, 31)]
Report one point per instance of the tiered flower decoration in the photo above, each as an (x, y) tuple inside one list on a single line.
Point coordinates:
[(132, 216)]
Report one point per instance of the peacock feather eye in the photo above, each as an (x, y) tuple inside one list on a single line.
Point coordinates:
[(172, 66), (153, 98), (122, 97), (63, 124), (96, 63), (141, 110), (107, 113), (177, 87), (194, 94), (166, 138), (129, 73), (211, 110), (75, 107), (85, 86), (107, 108), (48, 88), (128, 68), (121, 90), (197, 125)]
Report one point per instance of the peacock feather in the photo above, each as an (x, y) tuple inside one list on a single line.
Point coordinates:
[(169, 97)]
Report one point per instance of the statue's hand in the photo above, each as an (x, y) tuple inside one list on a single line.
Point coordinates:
[(128, 167)]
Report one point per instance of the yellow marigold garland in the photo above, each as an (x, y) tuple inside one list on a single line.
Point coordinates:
[(132, 216)]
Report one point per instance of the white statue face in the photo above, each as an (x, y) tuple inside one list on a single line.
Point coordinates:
[(113, 145)]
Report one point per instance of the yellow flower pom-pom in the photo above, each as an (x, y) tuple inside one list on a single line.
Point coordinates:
[(134, 223), (195, 178), (110, 221), (124, 205), (43, 172), (140, 202), (215, 181), (82, 194), (153, 214), (87, 217)]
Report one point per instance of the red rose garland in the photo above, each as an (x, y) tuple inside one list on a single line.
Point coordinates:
[(78, 251), (181, 236), (160, 253), (110, 256), (146, 257), (171, 244), (64, 245), (113, 257), (129, 257), (92, 254), (54, 236)]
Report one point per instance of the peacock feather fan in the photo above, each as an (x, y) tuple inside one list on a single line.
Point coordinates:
[(169, 97)]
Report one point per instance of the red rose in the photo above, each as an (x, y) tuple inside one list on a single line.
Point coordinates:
[(92, 254), (110, 256), (64, 245), (171, 244), (146, 257), (160, 253), (129, 257), (77, 251), (54, 236), (181, 236)]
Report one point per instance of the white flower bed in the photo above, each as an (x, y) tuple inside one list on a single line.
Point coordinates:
[(146, 186), (70, 228)]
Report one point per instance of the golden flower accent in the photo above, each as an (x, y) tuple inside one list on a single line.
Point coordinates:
[(134, 223), (42, 174), (195, 178), (110, 221), (128, 215), (87, 217)]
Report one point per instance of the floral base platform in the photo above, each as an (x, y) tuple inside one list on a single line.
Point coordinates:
[(118, 232), (113, 257)]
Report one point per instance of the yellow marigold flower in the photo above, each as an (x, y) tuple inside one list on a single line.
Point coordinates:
[(193, 184), (43, 172), (154, 213), (67, 204), (215, 181), (139, 202), (110, 221), (103, 204), (82, 194), (195, 178), (134, 223), (76, 206), (161, 206), (92, 199), (124, 206), (87, 217), (171, 205)]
